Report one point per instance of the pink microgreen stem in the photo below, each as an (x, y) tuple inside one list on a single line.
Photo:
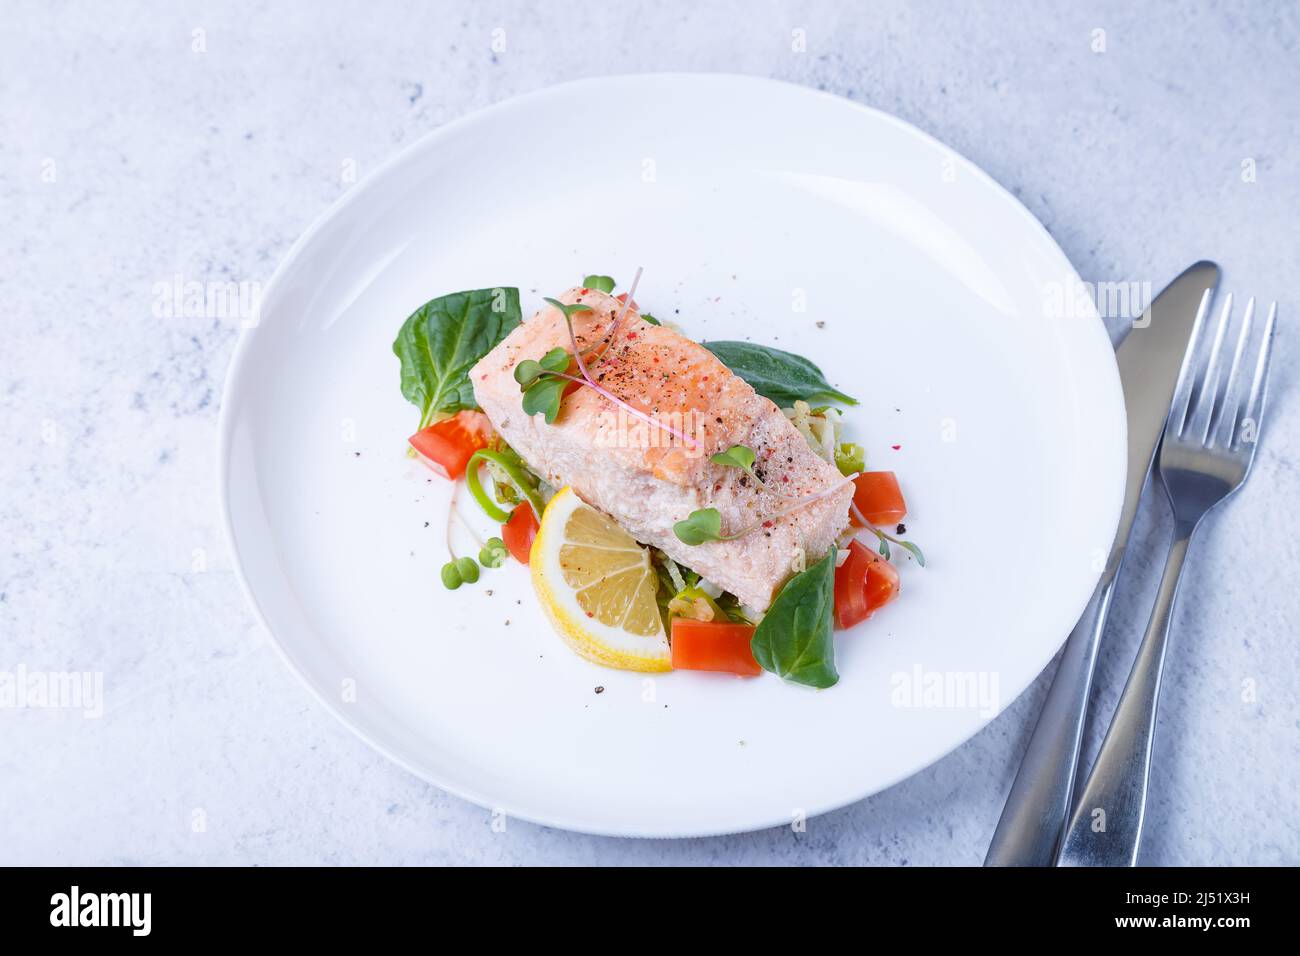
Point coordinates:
[(601, 390), (618, 320), (803, 503)]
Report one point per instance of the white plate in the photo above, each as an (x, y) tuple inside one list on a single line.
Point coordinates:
[(758, 210)]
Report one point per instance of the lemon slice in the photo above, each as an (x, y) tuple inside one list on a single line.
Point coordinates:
[(598, 587)]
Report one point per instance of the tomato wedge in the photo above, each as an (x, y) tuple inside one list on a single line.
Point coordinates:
[(878, 498), (714, 646), (518, 533), (864, 583), (449, 444)]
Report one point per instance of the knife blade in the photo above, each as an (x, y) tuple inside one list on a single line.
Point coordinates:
[(1149, 359)]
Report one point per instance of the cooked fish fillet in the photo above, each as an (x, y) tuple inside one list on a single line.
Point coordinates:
[(647, 479)]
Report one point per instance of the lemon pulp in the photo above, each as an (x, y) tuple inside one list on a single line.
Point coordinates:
[(598, 587)]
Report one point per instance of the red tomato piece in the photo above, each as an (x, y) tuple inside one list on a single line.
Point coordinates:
[(518, 533), (714, 646), (449, 444), (878, 498), (864, 583)]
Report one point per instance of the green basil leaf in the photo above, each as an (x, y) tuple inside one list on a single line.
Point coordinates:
[(702, 525), (780, 376), (599, 283), (796, 638), (442, 340), (544, 396), (737, 456)]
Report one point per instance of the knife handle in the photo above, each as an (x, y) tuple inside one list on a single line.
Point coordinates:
[(1040, 798)]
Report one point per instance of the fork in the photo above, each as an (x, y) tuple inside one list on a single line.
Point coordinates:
[(1206, 453)]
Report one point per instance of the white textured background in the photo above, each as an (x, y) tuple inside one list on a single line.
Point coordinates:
[(208, 165)]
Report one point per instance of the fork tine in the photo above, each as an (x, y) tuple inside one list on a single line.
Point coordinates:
[(1228, 410), (1248, 429), (1188, 373), (1198, 420)]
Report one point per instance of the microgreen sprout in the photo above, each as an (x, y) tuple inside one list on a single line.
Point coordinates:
[(544, 387), (608, 340), (738, 456), (705, 524), (530, 370), (492, 554), (908, 545), (459, 571), (885, 538), (544, 396), (599, 283), (568, 310)]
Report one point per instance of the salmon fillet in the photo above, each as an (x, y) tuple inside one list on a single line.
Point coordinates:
[(645, 478)]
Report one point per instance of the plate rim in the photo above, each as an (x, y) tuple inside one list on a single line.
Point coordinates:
[(236, 368)]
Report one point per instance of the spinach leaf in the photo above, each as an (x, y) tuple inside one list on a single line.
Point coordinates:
[(795, 640), (780, 376), (442, 339)]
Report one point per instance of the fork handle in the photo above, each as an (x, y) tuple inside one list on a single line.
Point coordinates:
[(1106, 825), (1039, 801)]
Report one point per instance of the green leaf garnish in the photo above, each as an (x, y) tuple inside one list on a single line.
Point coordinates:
[(916, 552), (795, 639), (441, 340), (599, 283), (646, 316), (492, 554), (556, 360), (780, 376), (568, 310), (737, 456), (544, 396), (885, 538), (704, 524), (451, 578), (467, 570), (528, 371)]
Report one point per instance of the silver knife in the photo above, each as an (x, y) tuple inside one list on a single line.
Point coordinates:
[(1149, 359)]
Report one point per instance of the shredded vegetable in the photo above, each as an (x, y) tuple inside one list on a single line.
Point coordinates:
[(514, 470)]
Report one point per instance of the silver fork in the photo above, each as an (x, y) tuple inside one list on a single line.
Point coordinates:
[(1208, 446)]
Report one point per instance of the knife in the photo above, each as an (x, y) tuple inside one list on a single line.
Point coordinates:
[(1149, 360)]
